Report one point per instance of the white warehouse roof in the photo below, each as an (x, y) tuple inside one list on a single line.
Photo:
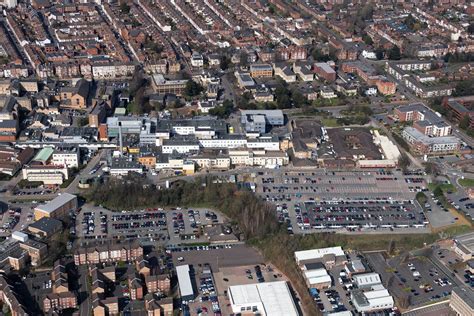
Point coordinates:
[(184, 280), (367, 279), (318, 253), (317, 276), (275, 297)]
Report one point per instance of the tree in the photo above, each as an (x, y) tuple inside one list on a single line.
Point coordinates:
[(282, 95), (421, 198), (319, 56), (437, 192), (465, 122), (380, 53), (394, 53), (298, 99), (470, 28), (223, 111), (244, 59), (404, 162), (463, 88), (432, 168), (192, 88), (136, 82), (124, 8), (225, 62), (367, 39)]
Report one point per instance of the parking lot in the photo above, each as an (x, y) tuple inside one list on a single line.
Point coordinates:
[(345, 200), (17, 217), (352, 215), (415, 279), (173, 226), (301, 186)]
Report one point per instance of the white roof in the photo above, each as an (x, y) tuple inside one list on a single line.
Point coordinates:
[(315, 273), (318, 253), (274, 296), (184, 280), (376, 294), (367, 279), (19, 236), (56, 203), (319, 280), (344, 313)]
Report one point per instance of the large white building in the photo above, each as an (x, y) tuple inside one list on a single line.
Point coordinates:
[(184, 281), (315, 254), (266, 299), (367, 279), (375, 299), (69, 159), (49, 175)]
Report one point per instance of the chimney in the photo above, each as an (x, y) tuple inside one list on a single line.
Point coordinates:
[(120, 138)]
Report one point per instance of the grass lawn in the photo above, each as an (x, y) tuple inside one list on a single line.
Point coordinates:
[(330, 122), (443, 186), (466, 182)]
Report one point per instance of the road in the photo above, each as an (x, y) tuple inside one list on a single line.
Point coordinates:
[(85, 302), (73, 188)]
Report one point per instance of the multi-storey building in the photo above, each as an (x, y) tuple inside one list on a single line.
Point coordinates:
[(108, 253)]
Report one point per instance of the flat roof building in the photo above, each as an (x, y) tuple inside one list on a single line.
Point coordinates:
[(266, 299), (464, 246), (57, 208), (462, 301), (367, 279), (375, 299), (45, 227), (185, 284)]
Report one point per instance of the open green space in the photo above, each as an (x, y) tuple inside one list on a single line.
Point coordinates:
[(466, 182)]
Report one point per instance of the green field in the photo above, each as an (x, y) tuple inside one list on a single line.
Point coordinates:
[(443, 186), (330, 122), (466, 182)]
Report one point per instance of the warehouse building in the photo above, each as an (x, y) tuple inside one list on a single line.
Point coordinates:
[(57, 208), (258, 120), (328, 256), (464, 246), (367, 280), (370, 300), (185, 284), (462, 301), (266, 299), (316, 276)]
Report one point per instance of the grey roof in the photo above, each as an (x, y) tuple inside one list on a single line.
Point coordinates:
[(57, 202), (47, 224), (428, 114), (419, 136), (466, 294)]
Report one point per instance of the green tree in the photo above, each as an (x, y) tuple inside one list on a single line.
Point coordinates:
[(465, 122), (470, 28), (244, 59), (124, 8), (367, 39), (463, 88), (394, 53), (192, 88), (319, 56), (404, 162), (438, 191), (282, 95), (380, 53), (298, 98), (432, 169), (225, 62), (223, 111)]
